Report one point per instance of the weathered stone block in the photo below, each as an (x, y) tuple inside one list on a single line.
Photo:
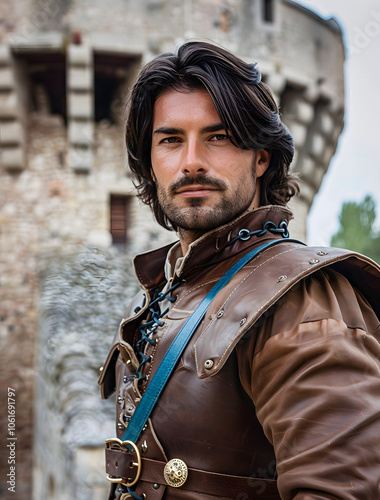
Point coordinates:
[(305, 111), (11, 133), (7, 81), (81, 159), (80, 78), (325, 123), (81, 132), (80, 105), (317, 145), (8, 105), (299, 132), (307, 168), (79, 55), (5, 55), (276, 82), (12, 158), (300, 110)]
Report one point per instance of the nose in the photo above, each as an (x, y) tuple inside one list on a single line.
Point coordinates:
[(193, 161)]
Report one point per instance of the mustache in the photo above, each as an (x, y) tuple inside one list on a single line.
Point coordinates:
[(200, 180)]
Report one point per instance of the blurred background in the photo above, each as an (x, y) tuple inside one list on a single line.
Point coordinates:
[(70, 220)]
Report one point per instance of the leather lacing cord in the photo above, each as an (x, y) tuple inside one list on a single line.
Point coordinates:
[(246, 234), (147, 329)]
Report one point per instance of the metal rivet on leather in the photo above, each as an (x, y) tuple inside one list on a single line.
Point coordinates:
[(220, 313), (242, 321), (144, 447), (282, 278), (321, 253), (313, 261), (120, 426), (101, 369), (120, 400), (156, 486), (209, 364)]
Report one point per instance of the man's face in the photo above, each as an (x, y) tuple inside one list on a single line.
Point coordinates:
[(203, 180)]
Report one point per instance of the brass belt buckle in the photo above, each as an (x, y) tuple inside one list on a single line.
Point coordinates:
[(113, 479), (175, 472)]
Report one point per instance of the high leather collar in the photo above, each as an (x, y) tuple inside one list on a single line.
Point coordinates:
[(212, 247)]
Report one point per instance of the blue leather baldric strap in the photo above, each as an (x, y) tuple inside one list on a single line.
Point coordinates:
[(166, 367)]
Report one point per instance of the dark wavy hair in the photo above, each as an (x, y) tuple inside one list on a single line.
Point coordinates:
[(244, 104)]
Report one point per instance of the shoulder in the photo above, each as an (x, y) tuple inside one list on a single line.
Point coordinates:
[(286, 278), (327, 294)]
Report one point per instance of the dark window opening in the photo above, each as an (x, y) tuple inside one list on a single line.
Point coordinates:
[(119, 215), (104, 98), (46, 72), (268, 11), (111, 73)]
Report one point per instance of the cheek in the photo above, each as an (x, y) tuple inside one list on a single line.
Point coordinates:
[(163, 163), (239, 166)]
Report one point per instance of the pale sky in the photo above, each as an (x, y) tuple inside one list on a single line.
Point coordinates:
[(355, 169)]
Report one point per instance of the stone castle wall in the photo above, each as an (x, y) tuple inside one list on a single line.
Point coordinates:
[(63, 285)]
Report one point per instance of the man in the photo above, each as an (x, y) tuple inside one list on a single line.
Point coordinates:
[(276, 394)]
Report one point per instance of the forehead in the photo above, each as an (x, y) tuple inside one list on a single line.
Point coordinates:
[(175, 107)]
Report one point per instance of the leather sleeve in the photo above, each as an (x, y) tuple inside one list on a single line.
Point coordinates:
[(312, 369)]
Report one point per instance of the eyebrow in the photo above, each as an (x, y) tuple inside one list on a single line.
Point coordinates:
[(172, 130)]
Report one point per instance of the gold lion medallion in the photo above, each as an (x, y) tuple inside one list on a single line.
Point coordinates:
[(175, 472)]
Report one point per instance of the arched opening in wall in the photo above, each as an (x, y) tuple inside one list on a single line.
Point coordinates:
[(45, 75), (119, 218), (268, 11), (111, 76)]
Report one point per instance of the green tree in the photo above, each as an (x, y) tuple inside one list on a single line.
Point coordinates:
[(356, 230)]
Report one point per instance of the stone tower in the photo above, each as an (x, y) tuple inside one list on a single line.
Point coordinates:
[(70, 221)]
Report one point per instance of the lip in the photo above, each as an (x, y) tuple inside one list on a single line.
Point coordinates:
[(196, 190)]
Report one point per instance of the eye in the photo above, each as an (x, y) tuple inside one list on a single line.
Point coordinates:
[(219, 137), (170, 140)]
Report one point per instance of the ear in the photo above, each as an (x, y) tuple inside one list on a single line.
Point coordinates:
[(262, 161), (153, 175)]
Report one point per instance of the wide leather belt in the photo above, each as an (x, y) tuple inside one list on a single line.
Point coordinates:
[(121, 463)]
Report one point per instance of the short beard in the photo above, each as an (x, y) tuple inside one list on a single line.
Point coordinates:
[(198, 219)]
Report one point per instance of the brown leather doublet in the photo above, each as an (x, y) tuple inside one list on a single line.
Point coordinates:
[(213, 413)]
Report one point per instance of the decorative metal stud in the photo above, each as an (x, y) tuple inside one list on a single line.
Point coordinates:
[(175, 472), (156, 486), (144, 448), (120, 426), (313, 261), (209, 364), (220, 313), (101, 369), (282, 278), (321, 253), (242, 321), (120, 400)]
